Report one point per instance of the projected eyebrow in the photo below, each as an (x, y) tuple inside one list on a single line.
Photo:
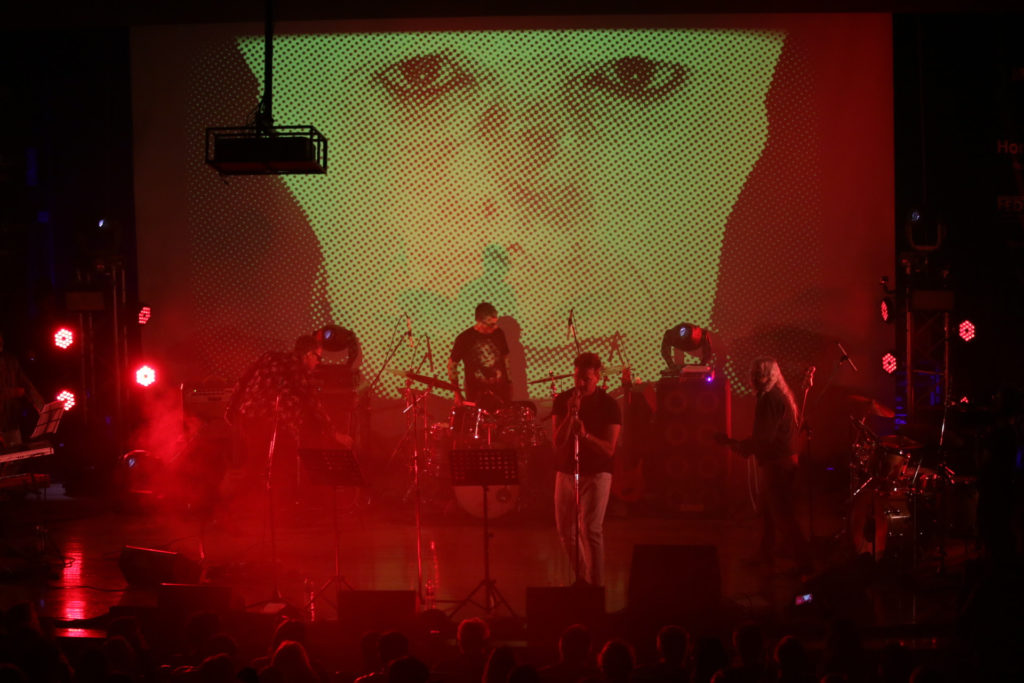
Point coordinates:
[(637, 78), (424, 77)]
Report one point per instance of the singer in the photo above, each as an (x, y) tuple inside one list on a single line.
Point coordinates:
[(483, 350), (587, 424)]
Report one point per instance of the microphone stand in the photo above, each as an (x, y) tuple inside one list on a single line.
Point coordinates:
[(577, 522), (384, 365), (572, 331)]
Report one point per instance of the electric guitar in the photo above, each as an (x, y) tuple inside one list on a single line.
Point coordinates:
[(802, 437)]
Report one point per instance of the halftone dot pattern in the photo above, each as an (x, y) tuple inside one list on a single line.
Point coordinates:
[(591, 170), (236, 237), (782, 208)]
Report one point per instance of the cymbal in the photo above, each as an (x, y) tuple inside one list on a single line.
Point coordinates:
[(425, 379), (432, 381), (550, 378), (873, 407), (899, 442)]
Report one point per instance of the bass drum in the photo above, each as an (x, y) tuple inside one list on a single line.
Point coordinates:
[(501, 500), (880, 523), (883, 522)]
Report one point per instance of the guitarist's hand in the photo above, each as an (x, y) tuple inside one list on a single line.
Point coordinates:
[(722, 439), (743, 448)]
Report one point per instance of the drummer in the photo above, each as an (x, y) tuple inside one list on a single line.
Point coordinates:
[(483, 350)]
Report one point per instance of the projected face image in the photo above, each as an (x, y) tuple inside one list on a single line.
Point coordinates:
[(543, 171)]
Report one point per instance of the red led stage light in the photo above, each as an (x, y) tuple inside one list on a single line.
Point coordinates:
[(887, 309), (63, 338), (967, 330), (67, 397), (145, 375), (889, 363), (145, 313)]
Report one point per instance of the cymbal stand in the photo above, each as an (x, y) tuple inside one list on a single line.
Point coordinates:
[(416, 408)]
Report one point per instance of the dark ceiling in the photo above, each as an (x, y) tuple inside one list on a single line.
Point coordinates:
[(115, 13)]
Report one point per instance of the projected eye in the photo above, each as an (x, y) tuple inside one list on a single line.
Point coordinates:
[(424, 77), (637, 78)]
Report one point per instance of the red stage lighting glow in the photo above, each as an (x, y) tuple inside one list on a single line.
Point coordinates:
[(963, 399), (145, 312), (889, 363), (68, 397), (63, 338), (145, 375), (967, 330)]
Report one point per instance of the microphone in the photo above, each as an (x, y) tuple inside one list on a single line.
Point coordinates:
[(430, 354), (845, 357), (568, 324), (408, 331)]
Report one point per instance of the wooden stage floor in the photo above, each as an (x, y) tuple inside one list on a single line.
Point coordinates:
[(80, 541)]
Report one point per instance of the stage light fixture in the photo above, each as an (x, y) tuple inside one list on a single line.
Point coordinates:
[(686, 337), (63, 338), (886, 309), (337, 338), (145, 313), (967, 330), (145, 375), (67, 397), (889, 362)]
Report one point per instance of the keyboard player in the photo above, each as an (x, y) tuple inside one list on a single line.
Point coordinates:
[(14, 387)]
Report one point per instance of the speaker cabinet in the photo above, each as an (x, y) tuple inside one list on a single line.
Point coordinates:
[(674, 583), (377, 610), (149, 567), (192, 598), (687, 469)]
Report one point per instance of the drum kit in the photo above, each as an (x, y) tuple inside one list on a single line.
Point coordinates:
[(469, 426), (903, 500)]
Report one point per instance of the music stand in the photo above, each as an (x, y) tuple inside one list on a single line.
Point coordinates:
[(485, 467), (49, 420), (332, 467)]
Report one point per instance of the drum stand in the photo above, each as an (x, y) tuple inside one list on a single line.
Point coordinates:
[(485, 467)]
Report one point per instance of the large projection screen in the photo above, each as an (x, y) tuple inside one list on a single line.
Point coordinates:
[(733, 172)]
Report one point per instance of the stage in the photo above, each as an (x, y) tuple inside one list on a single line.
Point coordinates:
[(63, 553)]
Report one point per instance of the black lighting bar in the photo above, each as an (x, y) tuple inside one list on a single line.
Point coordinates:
[(274, 150)]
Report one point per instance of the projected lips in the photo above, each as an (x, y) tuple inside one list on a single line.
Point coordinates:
[(610, 159)]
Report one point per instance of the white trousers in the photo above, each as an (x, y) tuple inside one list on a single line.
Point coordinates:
[(589, 548)]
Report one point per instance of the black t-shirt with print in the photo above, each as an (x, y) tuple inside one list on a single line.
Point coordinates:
[(485, 382)]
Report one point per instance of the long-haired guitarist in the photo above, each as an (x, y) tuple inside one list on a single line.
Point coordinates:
[(772, 445)]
